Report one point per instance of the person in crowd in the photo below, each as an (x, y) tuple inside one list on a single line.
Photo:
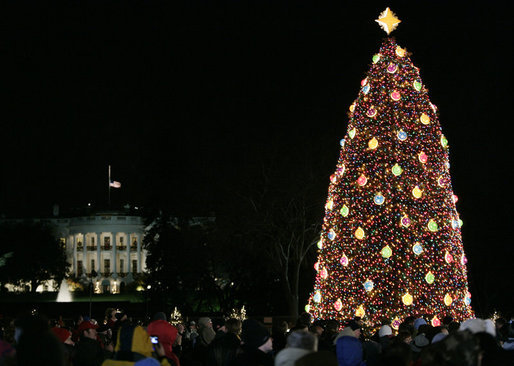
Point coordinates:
[(279, 335), (385, 336), (110, 317), (418, 323), (439, 336), (299, 343), (36, 344), (64, 336), (205, 336), (7, 351), (121, 319), (403, 336), (218, 325), (177, 346), (371, 351), (223, 349), (256, 345), (419, 343), (134, 347), (398, 353), (507, 336), (326, 341), (460, 348), (316, 329), (205, 331), (88, 351), (189, 340), (166, 333), (348, 345), (303, 322)]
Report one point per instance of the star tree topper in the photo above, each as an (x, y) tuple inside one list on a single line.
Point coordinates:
[(388, 20)]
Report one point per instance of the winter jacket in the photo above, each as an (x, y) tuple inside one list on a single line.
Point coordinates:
[(133, 348), (223, 350), (88, 352), (349, 349)]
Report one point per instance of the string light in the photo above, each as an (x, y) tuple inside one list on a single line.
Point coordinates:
[(391, 220)]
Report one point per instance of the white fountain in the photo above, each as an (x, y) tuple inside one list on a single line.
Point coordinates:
[(64, 294)]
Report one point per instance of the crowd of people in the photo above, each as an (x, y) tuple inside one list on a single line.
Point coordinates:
[(117, 340)]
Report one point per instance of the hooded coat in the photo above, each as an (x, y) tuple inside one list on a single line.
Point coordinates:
[(167, 334), (349, 348)]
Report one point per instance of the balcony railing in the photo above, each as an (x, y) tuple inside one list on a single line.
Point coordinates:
[(122, 274), (121, 247), (107, 274), (106, 247), (91, 248), (133, 248)]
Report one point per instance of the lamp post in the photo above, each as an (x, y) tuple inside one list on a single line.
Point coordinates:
[(147, 300), (93, 274)]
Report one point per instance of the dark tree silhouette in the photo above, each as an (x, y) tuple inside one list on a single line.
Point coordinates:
[(30, 254)]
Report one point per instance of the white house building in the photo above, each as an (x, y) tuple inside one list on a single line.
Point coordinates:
[(104, 248)]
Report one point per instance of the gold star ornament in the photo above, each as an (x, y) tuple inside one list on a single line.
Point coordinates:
[(388, 21)]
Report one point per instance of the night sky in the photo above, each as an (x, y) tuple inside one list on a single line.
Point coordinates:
[(184, 101)]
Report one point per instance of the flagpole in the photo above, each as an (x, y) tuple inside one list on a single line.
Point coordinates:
[(109, 187)]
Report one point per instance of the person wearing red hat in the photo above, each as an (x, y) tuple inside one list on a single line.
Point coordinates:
[(166, 333), (88, 350), (64, 336)]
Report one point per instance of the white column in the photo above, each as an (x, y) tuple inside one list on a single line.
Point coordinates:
[(84, 254), (114, 259), (127, 239), (98, 248), (138, 254)]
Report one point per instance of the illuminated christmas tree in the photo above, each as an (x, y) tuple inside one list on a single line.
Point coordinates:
[(391, 243)]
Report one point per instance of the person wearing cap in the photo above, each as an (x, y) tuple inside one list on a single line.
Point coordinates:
[(256, 345), (64, 336), (385, 335), (418, 344), (166, 333), (348, 345), (205, 336), (88, 351)]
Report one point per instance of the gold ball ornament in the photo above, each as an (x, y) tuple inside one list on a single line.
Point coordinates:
[(425, 119), (373, 143), (448, 300), (416, 192), (407, 299), (360, 312), (359, 233)]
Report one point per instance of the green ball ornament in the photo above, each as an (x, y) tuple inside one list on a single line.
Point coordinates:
[(432, 226), (345, 211), (397, 170)]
